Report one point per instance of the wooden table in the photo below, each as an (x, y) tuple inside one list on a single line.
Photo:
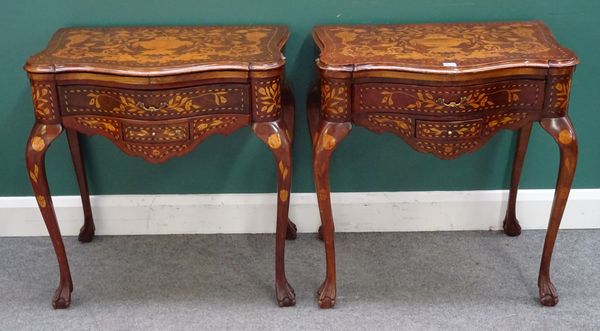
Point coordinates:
[(157, 92), (445, 89)]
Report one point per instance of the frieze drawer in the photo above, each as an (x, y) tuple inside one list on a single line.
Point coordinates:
[(385, 97), (157, 104)]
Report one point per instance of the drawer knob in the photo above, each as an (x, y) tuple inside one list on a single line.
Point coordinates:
[(451, 104)]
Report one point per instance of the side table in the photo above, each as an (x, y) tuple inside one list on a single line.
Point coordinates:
[(156, 93), (445, 89)]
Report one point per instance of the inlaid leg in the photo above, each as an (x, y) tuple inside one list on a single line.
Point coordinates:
[(86, 234), (563, 133), (314, 118), (42, 135), (275, 135), (511, 224), (288, 105), (329, 135)]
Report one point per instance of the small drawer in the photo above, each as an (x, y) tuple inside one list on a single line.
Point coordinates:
[(150, 133), (157, 104), (521, 94), (449, 130), (394, 123)]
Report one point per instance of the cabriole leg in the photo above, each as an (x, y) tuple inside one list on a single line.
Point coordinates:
[(275, 137), (511, 224), (563, 133), (42, 135), (86, 234), (327, 138)]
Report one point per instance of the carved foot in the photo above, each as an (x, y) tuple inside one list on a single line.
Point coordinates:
[(320, 233), (62, 296), (286, 297), (86, 233), (291, 230), (511, 226), (326, 295), (548, 293)]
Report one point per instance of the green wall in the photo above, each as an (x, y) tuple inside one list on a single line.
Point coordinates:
[(240, 163)]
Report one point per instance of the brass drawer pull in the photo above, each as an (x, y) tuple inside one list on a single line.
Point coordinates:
[(451, 104), (152, 109)]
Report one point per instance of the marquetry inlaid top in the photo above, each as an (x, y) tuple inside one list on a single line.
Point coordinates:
[(142, 51), (444, 48)]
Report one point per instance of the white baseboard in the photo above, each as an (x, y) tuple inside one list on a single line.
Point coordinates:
[(255, 213)]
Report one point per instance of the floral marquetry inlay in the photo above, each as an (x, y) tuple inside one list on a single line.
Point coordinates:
[(329, 141), (156, 153), (426, 100), (41, 201), (268, 97), (104, 124), (498, 121), (283, 170), (43, 101), (559, 95), (147, 48), (440, 47), (387, 120), (565, 137), (334, 99), (203, 126), (561, 90), (34, 173), (38, 144), (176, 104), (156, 133), (466, 129), (283, 195), (397, 124), (155, 104), (274, 141), (520, 94), (446, 150)]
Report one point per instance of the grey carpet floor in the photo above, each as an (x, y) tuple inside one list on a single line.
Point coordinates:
[(443, 280)]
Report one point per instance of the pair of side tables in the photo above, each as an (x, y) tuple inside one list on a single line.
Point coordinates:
[(157, 92)]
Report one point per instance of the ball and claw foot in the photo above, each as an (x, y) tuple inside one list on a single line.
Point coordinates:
[(511, 226), (286, 297), (326, 295), (291, 232), (62, 297), (86, 234), (548, 293)]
